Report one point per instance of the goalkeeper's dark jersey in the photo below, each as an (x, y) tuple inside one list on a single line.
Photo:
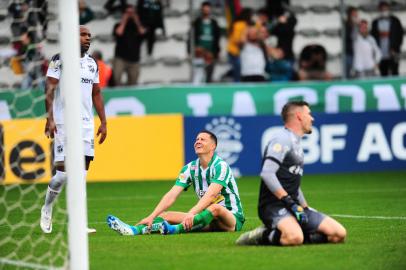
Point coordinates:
[(285, 150)]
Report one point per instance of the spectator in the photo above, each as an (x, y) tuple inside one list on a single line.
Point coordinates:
[(151, 16), (388, 33), (278, 67), (312, 63), (282, 26), (128, 35), (366, 52), (31, 15), (33, 62), (351, 32), (85, 13), (253, 57), (236, 37), (105, 70), (207, 39), (28, 29), (112, 7)]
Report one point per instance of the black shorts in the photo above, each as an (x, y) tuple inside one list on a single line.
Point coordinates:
[(271, 215)]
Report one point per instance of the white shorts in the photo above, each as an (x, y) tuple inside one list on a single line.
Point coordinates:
[(60, 142)]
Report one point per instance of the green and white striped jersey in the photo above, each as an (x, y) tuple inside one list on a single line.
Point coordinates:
[(217, 172)]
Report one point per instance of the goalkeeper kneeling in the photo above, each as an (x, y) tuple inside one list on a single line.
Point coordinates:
[(218, 209), (282, 207)]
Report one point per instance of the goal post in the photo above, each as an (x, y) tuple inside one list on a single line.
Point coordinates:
[(26, 154), (70, 86)]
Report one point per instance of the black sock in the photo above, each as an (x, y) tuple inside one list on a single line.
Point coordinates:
[(315, 238), (272, 237)]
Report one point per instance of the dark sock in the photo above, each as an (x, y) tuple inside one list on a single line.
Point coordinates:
[(271, 237), (315, 238)]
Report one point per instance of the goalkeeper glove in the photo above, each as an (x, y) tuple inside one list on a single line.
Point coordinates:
[(295, 209)]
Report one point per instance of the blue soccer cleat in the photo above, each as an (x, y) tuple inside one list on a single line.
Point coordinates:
[(166, 228), (122, 228)]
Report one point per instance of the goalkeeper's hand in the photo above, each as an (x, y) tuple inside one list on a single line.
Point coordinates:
[(295, 209)]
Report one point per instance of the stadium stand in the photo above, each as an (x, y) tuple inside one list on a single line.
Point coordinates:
[(170, 58)]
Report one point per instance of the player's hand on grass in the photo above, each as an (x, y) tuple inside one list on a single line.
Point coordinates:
[(146, 221), (102, 131), (297, 210), (188, 222), (50, 128)]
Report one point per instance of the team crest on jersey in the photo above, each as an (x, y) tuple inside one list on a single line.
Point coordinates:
[(182, 177), (55, 65), (59, 149), (91, 68), (228, 132)]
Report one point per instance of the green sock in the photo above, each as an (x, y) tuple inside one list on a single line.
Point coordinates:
[(142, 229), (200, 221)]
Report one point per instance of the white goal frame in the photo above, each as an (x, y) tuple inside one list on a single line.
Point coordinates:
[(70, 86)]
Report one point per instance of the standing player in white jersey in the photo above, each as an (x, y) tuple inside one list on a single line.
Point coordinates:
[(54, 128), (218, 209)]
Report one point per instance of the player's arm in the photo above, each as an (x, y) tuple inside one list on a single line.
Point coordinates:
[(98, 103), (217, 184), (274, 155), (208, 198), (50, 86), (268, 175), (301, 198), (167, 200)]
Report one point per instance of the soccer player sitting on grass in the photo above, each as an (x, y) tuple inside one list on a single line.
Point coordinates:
[(218, 209), (287, 218)]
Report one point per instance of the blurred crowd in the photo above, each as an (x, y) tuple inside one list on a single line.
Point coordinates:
[(259, 42), (260, 46)]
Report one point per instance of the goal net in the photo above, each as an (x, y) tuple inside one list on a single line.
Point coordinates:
[(26, 154)]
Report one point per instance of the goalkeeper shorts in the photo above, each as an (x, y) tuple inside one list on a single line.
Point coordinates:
[(271, 215)]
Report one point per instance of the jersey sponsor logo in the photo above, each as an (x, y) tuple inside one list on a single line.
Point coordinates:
[(228, 132), (295, 169), (86, 80)]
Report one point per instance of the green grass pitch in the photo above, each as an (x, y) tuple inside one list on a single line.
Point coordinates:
[(372, 207)]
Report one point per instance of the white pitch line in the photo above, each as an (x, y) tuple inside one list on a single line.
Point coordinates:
[(192, 195), (251, 218), (368, 217), (333, 215)]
